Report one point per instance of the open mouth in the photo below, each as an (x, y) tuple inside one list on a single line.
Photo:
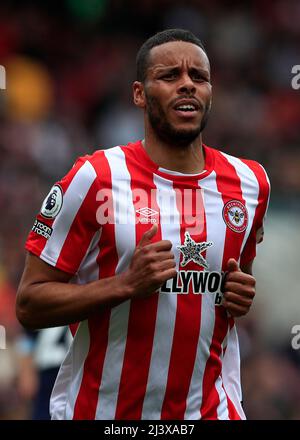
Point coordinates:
[(186, 110)]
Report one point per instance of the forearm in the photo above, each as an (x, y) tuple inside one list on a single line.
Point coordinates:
[(46, 298), (51, 303)]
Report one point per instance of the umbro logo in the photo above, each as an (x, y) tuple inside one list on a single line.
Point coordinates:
[(147, 215), (147, 212)]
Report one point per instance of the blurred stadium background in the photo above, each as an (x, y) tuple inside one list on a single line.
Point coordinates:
[(70, 65)]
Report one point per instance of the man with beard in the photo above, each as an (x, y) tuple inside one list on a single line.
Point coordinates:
[(150, 249)]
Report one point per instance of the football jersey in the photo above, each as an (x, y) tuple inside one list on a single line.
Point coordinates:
[(174, 354)]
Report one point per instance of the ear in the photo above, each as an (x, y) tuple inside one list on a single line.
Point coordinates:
[(139, 94)]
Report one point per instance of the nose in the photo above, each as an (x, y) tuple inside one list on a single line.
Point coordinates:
[(186, 84)]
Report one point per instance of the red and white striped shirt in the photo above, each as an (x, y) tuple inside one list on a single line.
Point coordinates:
[(175, 354)]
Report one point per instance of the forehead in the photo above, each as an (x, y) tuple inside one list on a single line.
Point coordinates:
[(176, 53)]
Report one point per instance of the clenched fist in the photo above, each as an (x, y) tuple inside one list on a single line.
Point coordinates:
[(239, 290), (152, 264)]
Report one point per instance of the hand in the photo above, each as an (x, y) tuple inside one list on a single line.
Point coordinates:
[(152, 264), (239, 290)]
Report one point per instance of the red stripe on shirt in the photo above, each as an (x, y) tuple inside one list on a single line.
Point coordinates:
[(188, 319), (80, 233), (229, 185), (142, 315), (88, 397)]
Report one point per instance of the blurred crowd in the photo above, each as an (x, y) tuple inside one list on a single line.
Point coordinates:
[(69, 67)]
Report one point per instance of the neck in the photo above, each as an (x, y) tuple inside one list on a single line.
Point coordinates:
[(188, 159)]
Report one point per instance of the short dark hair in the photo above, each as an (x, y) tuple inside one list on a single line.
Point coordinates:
[(142, 58)]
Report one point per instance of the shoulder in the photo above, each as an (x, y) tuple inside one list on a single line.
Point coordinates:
[(101, 158), (249, 171), (259, 174), (95, 169), (94, 164)]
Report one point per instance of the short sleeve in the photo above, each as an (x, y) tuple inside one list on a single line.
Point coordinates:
[(66, 224), (257, 230)]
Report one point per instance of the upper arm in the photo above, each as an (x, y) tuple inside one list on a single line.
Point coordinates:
[(256, 233), (37, 271), (66, 226)]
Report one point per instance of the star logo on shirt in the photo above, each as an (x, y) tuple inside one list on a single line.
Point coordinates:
[(192, 251)]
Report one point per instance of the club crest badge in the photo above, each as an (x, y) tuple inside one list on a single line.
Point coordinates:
[(235, 216), (52, 203)]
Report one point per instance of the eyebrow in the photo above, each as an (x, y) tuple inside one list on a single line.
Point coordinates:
[(162, 69)]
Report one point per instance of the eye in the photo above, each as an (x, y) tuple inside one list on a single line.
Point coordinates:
[(169, 76), (199, 76)]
